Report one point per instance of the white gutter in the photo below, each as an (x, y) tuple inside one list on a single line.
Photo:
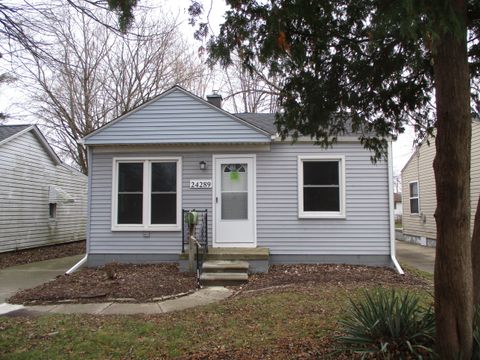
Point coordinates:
[(89, 204), (390, 206), (77, 265)]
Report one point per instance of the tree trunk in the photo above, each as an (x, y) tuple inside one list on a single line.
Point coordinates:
[(476, 256), (453, 265)]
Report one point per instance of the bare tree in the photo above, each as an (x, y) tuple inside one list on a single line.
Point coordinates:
[(94, 75), (21, 27), (250, 91)]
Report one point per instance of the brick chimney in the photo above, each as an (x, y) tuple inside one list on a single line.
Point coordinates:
[(215, 99)]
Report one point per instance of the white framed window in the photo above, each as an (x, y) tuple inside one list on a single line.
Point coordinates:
[(146, 194), (414, 197), (321, 186)]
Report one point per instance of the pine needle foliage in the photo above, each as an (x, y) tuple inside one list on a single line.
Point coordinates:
[(389, 324)]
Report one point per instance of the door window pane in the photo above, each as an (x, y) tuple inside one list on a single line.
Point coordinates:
[(130, 193), (234, 191)]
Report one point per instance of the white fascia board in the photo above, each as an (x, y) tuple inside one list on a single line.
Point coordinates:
[(186, 92)]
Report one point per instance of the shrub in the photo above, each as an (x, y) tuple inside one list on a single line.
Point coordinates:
[(389, 324)]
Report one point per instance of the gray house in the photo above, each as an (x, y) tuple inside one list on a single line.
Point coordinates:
[(42, 200), (296, 203)]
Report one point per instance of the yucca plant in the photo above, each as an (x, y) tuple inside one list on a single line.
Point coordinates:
[(389, 324)]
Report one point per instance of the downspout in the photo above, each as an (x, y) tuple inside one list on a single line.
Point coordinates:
[(396, 265), (89, 204)]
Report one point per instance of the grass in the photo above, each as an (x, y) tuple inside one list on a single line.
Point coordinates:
[(254, 321), (417, 272)]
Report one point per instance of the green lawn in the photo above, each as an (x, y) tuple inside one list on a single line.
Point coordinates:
[(255, 322)]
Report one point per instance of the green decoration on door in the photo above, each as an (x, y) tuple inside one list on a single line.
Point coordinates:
[(234, 175)]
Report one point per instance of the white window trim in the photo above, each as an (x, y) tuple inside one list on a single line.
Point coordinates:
[(146, 226), (410, 197), (322, 214)]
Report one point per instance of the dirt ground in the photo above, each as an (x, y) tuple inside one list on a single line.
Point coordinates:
[(141, 283), (27, 256)]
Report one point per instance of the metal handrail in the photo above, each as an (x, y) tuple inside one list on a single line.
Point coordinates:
[(201, 231), (200, 238)]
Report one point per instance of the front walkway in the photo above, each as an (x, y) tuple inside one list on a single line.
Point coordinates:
[(420, 257), (15, 278), (201, 297)]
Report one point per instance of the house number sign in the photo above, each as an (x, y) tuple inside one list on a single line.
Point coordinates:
[(201, 184)]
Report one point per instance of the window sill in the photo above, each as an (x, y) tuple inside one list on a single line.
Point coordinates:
[(146, 228), (321, 216)]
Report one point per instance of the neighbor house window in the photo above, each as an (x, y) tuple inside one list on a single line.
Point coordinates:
[(52, 210), (414, 198), (146, 194), (321, 182)]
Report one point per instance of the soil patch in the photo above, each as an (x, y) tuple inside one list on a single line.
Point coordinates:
[(288, 276), (123, 282), (28, 256)]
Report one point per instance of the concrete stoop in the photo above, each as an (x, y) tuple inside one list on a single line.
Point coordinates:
[(224, 272)]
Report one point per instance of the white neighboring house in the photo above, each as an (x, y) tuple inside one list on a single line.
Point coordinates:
[(42, 200)]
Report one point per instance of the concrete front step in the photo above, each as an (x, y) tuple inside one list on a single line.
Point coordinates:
[(223, 279), (225, 266)]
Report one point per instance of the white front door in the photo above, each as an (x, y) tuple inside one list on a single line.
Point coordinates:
[(234, 201)]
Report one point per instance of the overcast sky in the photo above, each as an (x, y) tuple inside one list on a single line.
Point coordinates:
[(402, 148)]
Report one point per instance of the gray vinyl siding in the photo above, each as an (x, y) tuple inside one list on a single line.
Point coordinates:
[(105, 241), (365, 230), (177, 118), (26, 172)]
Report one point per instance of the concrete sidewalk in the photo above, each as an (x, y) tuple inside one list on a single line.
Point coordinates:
[(201, 297), (420, 257), (15, 278)]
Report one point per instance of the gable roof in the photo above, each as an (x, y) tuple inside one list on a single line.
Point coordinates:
[(177, 117), (10, 132)]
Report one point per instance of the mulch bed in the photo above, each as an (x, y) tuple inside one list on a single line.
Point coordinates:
[(301, 275), (130, 283), (27, 256), (140, 283)]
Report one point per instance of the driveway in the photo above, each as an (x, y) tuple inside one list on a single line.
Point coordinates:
[(15, 278), (421, 257)]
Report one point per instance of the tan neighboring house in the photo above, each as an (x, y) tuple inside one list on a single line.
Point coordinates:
[(418, 189)]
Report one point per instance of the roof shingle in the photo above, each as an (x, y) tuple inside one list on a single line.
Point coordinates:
[(9, 130)]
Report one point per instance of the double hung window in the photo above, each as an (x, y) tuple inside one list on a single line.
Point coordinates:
[(321, 187), (146, 194)]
